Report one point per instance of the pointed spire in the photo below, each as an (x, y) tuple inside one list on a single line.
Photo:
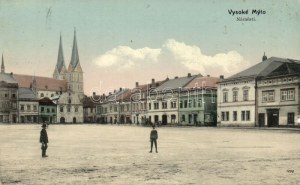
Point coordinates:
[(75, 56), (2, 65), (60, 58)]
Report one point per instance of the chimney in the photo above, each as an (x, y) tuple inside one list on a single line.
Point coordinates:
[(221, 77), (94, 93), (153, 81), (189, 75), (115, 91), (264, 57), (109, 93), (208, 75), (120, 88), (136, 84), (176, 77)]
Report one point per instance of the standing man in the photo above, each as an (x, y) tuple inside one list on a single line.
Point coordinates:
[(153, 138), (44, 140)]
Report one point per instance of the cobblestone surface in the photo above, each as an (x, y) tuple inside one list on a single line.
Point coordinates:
[(105, 154)]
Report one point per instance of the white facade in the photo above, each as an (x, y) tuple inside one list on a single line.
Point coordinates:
[(236, 102)]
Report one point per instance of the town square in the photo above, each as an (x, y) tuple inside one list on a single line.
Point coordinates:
[(149, 92), (119, 154)]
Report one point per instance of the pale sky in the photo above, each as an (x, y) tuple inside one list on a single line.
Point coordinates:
[(121, 42)]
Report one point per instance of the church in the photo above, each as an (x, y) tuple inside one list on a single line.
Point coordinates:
[(65, 88)]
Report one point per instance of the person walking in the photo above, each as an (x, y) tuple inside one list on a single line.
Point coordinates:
[(44, 140), (153, 138)]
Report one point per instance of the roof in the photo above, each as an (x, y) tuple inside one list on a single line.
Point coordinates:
[(7, 78), (270, 67), (60, 58), (43, 83), (176, 82), (75, 56), (203, 82), (26, 93), (46, 101)]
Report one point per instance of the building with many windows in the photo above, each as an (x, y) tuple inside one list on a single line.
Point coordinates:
[(28, 106), (266, 94), (8, 96)]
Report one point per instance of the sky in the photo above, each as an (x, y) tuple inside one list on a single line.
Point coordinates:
[(121, 42)]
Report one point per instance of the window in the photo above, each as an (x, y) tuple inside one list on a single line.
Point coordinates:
[(234, 115), (180, 104), (76, 109), (287, 94), (235, 96), (13, 95), (42, 109), (225, 116), (22, 107), (91, 109), (52, 95), (53, 110), (268, 96), (34, 108), (173, 104), (291, 118), (156, 105), (149, 106), (225, 96), (48, 110), (183, 117), (28, 107), (69, 108), (195, 103), (164, 105), (246, 95), (245, 115), (42, 94), (185, 103), (61, 109), (69, 101), (200, 103), (115, 109), (190, 103)]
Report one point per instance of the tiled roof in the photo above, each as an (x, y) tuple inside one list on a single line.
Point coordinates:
[(8, 78), (272, 66), (46, 101), (203, 82), (26, 93), (176, 83), (43, 83)]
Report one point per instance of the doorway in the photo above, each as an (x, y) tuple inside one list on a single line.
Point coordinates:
[(273, 115), (261, 119)]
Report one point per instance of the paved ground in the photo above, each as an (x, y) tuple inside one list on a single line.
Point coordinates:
[(105, 154)]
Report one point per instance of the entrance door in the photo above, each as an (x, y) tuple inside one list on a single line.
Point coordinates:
[(164, 119), (261, 119), (195, 119), (273, 115), (62, 120), (74, 120)]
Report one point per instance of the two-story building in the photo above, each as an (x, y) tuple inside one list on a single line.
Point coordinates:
[(28, 106)]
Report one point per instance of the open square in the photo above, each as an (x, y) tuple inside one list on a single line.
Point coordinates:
[(111, 154)]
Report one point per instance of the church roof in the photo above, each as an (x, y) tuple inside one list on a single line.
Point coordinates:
[(271, 67), (43, 83)]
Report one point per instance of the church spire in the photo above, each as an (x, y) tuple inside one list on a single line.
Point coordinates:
[(2, 65), (75, 57), (60, 58)]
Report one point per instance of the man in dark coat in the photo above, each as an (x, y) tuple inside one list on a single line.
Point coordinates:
[(153, 138), (44, 140)]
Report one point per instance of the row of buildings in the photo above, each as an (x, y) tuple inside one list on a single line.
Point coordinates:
[(266, 94)]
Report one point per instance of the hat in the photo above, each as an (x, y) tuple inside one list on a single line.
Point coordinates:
[(44, 125)]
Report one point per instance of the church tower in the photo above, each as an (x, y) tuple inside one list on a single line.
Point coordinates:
[(2, 65), (60, 68), (75, 73)]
